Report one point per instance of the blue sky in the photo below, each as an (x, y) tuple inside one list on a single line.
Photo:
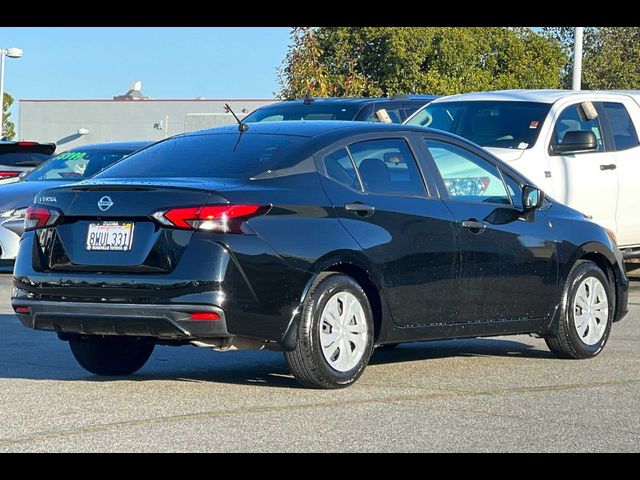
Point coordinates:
[(99, 62)]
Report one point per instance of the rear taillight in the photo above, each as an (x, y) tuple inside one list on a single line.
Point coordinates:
[(5, 174), (39, 216), (217, 218)]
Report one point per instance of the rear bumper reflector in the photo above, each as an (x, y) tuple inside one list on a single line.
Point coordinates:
[(206, 316)]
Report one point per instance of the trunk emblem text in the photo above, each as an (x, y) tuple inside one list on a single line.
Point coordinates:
[(105, 203), (48, 199)]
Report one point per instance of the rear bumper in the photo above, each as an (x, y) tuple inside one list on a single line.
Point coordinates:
[(170, 322)]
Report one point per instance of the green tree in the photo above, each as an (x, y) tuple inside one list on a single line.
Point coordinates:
[(355, 61), (611, 56), (8, 129)]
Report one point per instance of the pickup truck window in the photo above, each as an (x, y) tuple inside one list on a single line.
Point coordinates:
[(500, 124), (622, 128), (572, 119)]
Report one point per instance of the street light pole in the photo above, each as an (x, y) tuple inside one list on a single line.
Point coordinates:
[(577, 58), (11, 53)]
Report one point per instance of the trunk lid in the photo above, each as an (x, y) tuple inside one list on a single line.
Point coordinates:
[(154, 248)]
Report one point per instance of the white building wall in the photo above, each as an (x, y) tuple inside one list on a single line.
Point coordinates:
[(120, 120)]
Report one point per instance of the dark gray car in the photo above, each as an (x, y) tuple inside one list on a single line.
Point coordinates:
[(68, 167)]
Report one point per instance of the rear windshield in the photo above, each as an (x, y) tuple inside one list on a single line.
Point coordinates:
[(501, 124), (303, 112), (24, 156), (222, 155), (75, 165)]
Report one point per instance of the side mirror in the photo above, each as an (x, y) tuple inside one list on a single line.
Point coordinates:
[(532, 198), (576, 141)]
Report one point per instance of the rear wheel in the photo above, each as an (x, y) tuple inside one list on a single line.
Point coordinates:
[(583, 327), (335, 336), (111, 355)]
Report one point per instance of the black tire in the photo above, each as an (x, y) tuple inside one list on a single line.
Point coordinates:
[(112, 356), (307, 362), (565, 341)]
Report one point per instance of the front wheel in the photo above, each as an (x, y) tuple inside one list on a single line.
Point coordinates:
[(113, 356), (335, 335), (583, 327)]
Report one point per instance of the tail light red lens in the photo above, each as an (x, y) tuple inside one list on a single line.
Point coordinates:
[(217, 218), (39, 216), (4, 174)]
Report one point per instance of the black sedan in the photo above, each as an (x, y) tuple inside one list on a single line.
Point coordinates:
[(320, 239)]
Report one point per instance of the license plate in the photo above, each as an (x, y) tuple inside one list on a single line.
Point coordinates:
[(110, 236)]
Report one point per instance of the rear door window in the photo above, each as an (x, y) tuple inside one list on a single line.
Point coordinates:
[(624, 132), (387, 166)]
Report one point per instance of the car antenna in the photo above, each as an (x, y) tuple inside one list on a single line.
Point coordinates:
[(243, 127)]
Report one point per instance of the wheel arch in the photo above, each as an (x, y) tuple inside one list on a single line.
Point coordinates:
[(605, 260), (357, 266)]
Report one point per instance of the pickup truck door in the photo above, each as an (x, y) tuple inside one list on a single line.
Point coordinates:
[(586, 181), (623, 118)]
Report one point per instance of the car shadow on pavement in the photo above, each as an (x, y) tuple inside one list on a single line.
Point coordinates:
[(468, 347), (33, 355)]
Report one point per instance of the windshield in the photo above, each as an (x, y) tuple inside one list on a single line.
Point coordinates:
[(221, 155), (75, 165), (489, 124), (281, 113)]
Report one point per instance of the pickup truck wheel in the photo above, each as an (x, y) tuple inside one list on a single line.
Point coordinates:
[(583, 327), (115, 356), (335, 335)]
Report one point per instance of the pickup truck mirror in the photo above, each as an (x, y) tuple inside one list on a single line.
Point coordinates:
[(576, 141), (532, 198)]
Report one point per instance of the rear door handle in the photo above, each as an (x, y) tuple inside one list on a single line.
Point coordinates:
[(611, 166), (474, 226), (360, 209)]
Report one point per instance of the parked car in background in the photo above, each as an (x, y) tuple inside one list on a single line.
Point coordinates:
[(18, 157), (68, 167), (322, 239), (581, 147), (394, 109)]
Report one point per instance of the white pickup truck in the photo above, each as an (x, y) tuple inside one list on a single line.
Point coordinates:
[(581, 147)]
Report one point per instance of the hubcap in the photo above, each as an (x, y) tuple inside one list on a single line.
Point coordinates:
[(343, 331), (590, 310)]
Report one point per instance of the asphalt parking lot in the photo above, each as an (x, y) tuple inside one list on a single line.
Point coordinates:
[(499, 394)]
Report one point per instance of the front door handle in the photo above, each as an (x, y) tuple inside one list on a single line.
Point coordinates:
[(474, 226), (611, 166), (360, 209)]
